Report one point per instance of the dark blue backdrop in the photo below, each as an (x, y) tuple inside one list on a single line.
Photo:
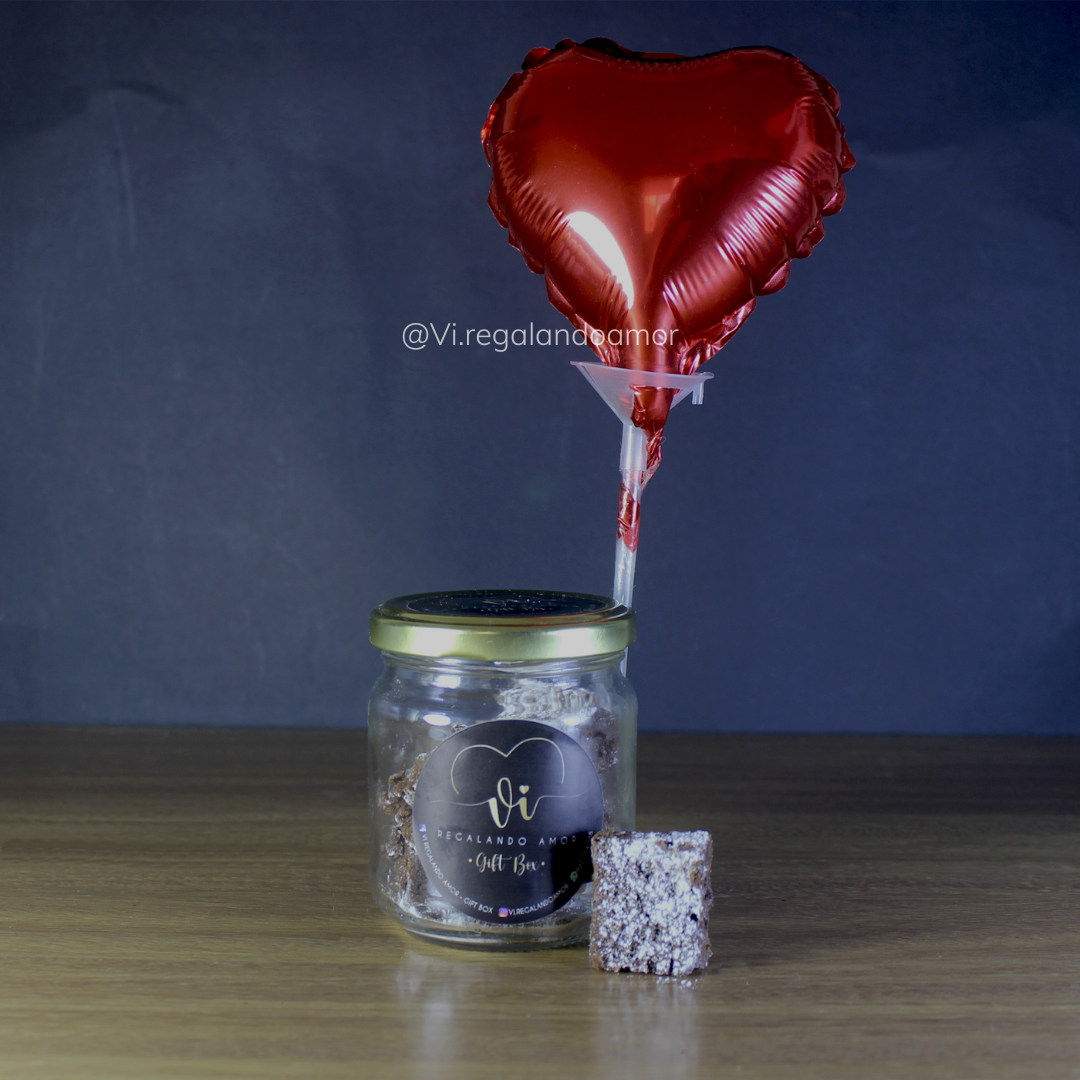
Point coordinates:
[(216, 455)]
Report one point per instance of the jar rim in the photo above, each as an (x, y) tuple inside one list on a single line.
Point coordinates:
[(502, 624)]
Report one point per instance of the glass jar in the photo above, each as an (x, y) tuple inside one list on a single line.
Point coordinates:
[(501, 736)]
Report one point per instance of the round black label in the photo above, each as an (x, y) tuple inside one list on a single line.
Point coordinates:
[(503, 817)]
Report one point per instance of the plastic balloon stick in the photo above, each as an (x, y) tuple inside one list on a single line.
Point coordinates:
[(619, 387)]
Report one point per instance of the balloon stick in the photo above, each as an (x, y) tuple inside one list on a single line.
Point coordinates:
[(616, 386), (633, 461)]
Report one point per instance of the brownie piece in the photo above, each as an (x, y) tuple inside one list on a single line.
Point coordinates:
[(651, 898), (600, 736), (406, 878)]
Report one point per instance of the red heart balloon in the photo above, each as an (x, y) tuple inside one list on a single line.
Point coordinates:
[(660, 195)]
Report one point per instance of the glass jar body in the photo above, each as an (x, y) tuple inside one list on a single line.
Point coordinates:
[(419, 704)]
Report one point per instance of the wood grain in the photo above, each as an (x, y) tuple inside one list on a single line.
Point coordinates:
[(194, 903)]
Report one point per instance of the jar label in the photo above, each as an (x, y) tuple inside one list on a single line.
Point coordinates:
[(503, 816)]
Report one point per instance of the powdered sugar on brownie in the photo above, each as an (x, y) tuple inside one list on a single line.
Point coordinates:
[(651, 898)]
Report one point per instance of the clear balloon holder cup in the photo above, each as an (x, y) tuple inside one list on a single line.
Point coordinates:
[(616, 385)]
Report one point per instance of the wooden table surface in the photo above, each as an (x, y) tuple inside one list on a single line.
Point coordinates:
[(194, 903)]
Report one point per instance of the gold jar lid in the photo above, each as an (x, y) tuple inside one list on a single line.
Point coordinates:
[(501, 624)]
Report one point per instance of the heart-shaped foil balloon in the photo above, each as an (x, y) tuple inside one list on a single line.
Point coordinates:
[(660, 195)]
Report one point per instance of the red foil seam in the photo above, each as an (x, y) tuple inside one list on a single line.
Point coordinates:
[(629, 518)]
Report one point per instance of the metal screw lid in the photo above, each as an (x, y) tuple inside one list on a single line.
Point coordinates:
[(502, 624)]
